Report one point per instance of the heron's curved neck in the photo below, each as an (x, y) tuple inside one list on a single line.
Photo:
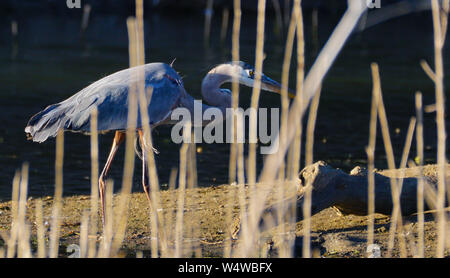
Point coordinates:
[(211, 91)]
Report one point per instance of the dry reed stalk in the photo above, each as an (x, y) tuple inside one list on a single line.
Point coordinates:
[(314, 79), (439, 27), (127, 179), (192, 164), (23, 233), (234, 89), (12, 239), (427, 69), (57, 199), (169, 225), (140, 47), (108, 231), (193, 230), (93, 219), (84, 235), (306, 250), (40, 230), (154, 202), (145, 96), (286, 12), (296, 144), (278, 17), (208, 18), (247, 240), (259, 57), (181, 190), (310, 126), (240, 147), (370, 150), (309, 149), (396, 215), (245, 233), (403, 162), (227, 250), (281, 212), (85, 18), (285, 71), (319, 69), (407, 147), (420, 182), (224, 27)]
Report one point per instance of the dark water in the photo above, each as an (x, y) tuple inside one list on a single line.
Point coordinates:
[(49, 61)]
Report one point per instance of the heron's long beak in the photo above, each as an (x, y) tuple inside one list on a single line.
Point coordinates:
[(273, 86)]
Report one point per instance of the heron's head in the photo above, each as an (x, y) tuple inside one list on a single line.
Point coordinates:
[(246, 75)]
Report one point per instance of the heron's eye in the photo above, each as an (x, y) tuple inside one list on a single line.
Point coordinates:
[(251, 73)]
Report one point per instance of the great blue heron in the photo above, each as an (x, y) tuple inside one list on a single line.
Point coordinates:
[(110, 96)]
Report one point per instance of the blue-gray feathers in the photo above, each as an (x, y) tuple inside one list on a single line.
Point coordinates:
[(110, 96)]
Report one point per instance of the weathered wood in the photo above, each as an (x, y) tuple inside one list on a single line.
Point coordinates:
[(348, 192)]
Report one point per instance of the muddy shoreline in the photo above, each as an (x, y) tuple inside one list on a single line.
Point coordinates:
[(332, 233)]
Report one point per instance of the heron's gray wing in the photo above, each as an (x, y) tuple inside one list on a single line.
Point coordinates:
[(110, 96)]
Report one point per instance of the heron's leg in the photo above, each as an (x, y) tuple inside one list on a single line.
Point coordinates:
[(145, 178), (118, 139)]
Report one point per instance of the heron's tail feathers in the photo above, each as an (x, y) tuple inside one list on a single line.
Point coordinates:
[(46, 123)]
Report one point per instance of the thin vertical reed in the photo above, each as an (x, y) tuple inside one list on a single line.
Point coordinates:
[(296, 144), (407, 147), (144, 101), (12, 240), (278, 17), (84, 235), (228, 220), (284, 252), (310, 126), (127, 179), (234, 89), (208, 17), (439, 39), (23, 233), (181, 190), (192, 164), (286, 11), (193, 229), (93, 219), (309, 151), (396, 216), (169, 224), (57, 201), (224, 27), (285, 70), (244, 232), (370, 150), (420, 183), (251, 169), (108, 232), (40, 230), (85, 18), (323, 63)]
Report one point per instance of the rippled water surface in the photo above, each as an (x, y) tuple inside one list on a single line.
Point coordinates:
[(50, 61)]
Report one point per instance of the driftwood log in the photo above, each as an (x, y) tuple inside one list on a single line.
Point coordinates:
[(349, 192)]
